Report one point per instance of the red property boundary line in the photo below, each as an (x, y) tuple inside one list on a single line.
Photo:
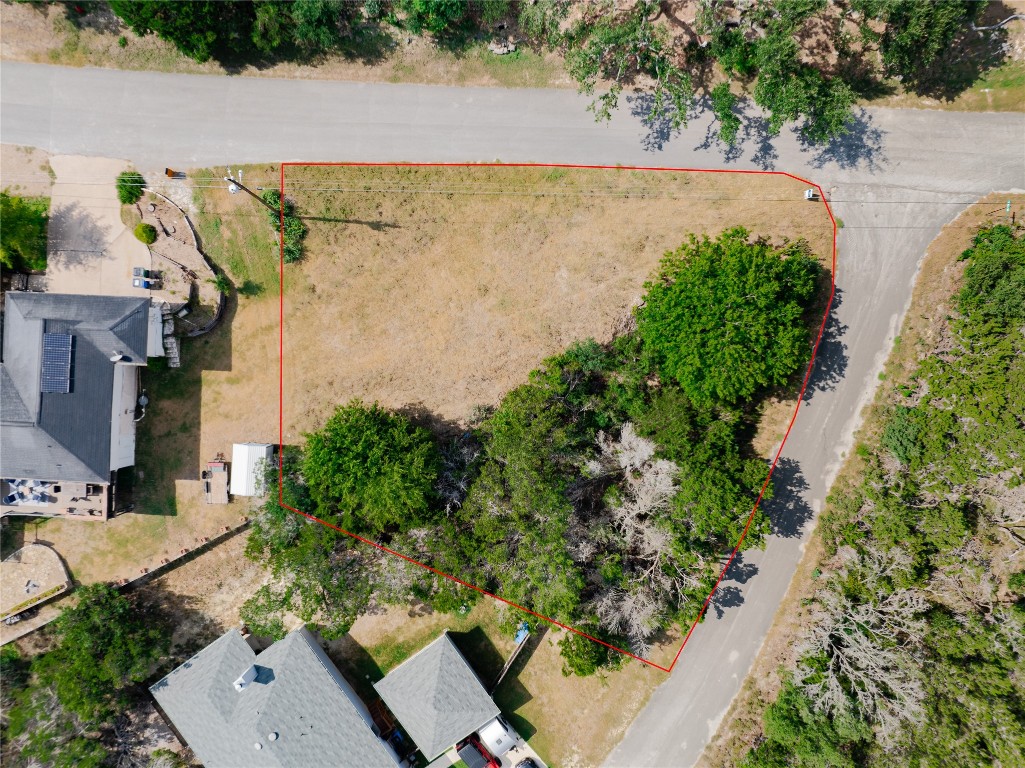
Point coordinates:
[(456, 579)]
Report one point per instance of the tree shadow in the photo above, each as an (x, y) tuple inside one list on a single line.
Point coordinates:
[(787, 510), (861, 145), (739, 571), (966, 59), (191, 628), (422, 416), (377, 226), (659, 129), (367, 43), (73, 237), (726, 596), (831, 358)]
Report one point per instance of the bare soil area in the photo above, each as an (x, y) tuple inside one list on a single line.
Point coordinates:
[(25, 171), (938, 278)]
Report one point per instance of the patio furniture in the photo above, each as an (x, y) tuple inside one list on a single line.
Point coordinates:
[(12, 499)]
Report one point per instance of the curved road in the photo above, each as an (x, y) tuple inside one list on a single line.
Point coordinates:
[(894, 181)]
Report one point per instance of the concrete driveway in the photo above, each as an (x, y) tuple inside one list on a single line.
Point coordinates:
[(895, 180), (90, 251)]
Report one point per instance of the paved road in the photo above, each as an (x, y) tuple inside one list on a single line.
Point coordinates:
[(895, 181)]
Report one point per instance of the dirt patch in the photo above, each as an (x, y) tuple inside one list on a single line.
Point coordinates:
[(31, 574), (203, 597), (25, 171), (938, 278)]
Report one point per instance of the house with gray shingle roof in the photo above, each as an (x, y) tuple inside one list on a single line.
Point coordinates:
[(437, 697), (285, 707), (69, 383)]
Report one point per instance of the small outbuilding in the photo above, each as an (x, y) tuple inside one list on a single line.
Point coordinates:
[(249, 463)]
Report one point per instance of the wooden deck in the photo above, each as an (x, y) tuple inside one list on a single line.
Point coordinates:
[(215, 482)]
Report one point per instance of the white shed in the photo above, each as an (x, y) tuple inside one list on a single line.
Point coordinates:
[(248, 464)]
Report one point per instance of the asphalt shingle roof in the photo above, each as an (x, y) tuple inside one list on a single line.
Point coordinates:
[(64, 436), (437, 697), (298, 694)]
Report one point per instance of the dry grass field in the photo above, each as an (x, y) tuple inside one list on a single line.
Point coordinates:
[(436, 290)]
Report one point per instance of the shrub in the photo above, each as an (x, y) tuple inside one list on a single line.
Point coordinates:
[(146, 233), (129, 187), (23, 232), (582, 656), (222, 284), (1017, 583), (294, 229)]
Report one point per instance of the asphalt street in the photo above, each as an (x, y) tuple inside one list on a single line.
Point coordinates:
[(894, 180)]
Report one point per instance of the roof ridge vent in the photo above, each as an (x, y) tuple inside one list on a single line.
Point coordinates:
[(246, 678)]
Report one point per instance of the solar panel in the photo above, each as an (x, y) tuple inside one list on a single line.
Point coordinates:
[(56, 363)]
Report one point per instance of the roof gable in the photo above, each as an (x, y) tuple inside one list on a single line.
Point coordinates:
[(65, 435), (297, 694), (437, 697)]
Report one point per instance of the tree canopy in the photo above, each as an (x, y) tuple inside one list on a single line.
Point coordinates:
[(915, 635), (804, 62), (724, 316), (23, 223), (371, 469), (598, 492), (129, 187)]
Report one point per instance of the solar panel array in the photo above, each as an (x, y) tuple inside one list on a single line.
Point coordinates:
[(56, 363)]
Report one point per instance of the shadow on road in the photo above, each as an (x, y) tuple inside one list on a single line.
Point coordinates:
[(831, 359), (787, 510), (862, 144)]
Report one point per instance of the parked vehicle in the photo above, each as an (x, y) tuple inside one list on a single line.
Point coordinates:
[(527, 762), (475, 754), (498, 736)]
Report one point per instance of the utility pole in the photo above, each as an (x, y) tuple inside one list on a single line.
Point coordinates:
[(247, 190)]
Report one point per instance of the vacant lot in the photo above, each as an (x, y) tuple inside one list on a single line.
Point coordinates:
[(435, 290)]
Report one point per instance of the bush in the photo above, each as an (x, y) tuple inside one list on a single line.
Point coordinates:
[(222, 284), (146, 233), (582, 656), (294, 229), (23, 232), (129, 187), (1017, 583)]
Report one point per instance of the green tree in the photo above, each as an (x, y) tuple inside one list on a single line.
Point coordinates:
[(917, 34), (23, 224), (605, 46), (797, 735), (104, 645), (435, 16), (372, 469), (723, 102), (725, 317), (200, 29), (293, 227), (129, 187)]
